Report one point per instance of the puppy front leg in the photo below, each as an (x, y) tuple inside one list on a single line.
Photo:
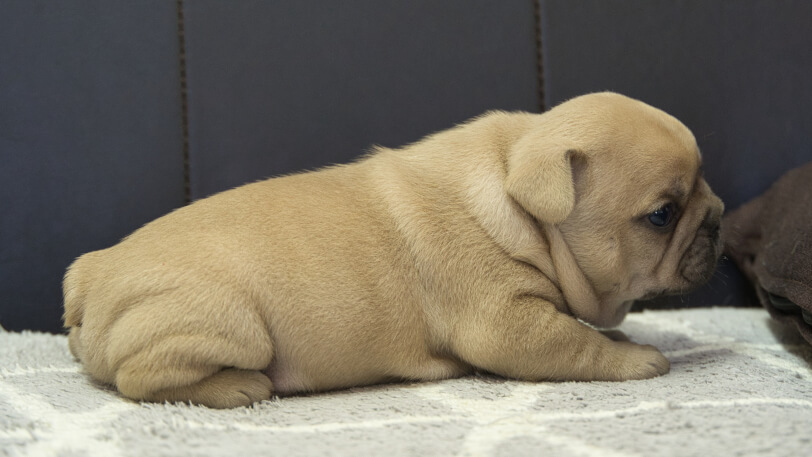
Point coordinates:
[(529, 339)]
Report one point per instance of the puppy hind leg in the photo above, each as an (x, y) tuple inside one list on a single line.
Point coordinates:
[(211, 359), (193, 369)]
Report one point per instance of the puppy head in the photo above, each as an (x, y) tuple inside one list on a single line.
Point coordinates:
[(621, 182)]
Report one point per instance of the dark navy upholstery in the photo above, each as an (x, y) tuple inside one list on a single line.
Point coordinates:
[(95, 134), (90, 139), (281, 86), (736, 73)]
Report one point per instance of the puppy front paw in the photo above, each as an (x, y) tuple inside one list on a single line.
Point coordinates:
[(640, 361)]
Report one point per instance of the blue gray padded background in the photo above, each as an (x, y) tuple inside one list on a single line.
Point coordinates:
[(276, 87), (736, 73), (91, 132), (92, 125), (90, 139)]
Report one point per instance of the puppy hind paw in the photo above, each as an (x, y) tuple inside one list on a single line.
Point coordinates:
[(258, 389), (229, 388)]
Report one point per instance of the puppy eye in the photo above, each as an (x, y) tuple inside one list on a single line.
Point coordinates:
[(663, 216)]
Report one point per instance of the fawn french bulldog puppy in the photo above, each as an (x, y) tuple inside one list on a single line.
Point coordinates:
[(478, 248)]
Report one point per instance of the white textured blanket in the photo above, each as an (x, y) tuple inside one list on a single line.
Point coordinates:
[(739, 385)]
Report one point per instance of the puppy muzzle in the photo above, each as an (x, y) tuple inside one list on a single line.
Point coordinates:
[(699, 261)]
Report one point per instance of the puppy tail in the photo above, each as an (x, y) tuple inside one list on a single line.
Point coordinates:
[(74, 291), (74, 296)]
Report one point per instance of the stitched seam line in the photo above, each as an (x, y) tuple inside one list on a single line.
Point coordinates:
[(187, 185), (539, 55)]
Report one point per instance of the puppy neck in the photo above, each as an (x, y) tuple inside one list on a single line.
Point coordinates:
[(579, 295)]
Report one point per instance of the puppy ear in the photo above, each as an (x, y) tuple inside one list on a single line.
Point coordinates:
[(540, 178)]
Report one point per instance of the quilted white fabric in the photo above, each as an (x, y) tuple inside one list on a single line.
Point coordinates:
[(739, 385)]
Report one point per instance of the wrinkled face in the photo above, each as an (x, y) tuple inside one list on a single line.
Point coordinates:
[(645, 222)]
